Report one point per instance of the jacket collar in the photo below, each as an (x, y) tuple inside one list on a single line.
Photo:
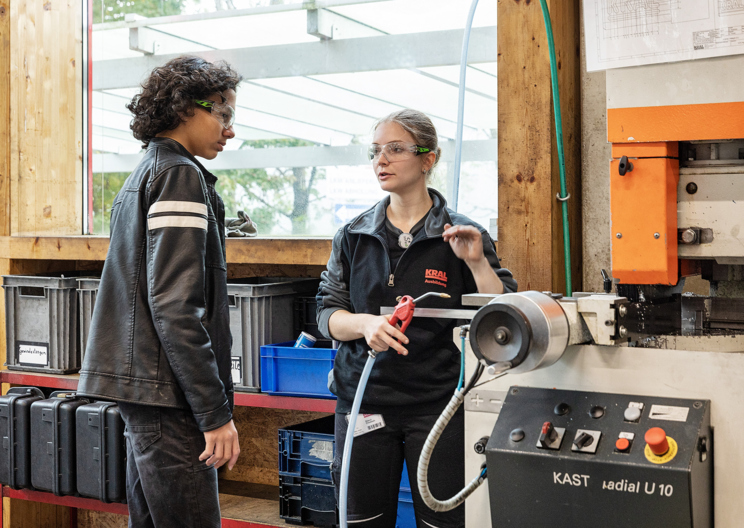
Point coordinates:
[(372, 221), (175, 146)]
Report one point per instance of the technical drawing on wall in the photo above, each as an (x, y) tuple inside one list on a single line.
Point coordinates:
[(622, 33)]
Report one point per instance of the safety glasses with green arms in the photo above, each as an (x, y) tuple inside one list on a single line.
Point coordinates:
[(222, 112), (395, 151)]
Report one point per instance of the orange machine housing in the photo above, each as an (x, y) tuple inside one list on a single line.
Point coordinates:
[(643, 202)]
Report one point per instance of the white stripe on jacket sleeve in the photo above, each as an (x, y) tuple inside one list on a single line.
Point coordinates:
[(176, 221), (178, 207)]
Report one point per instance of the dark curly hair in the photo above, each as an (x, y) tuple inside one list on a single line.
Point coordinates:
[(170, 90)]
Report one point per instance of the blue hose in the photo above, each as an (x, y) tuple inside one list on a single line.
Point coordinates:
[(461, 104), (462, 364), (344, 487)]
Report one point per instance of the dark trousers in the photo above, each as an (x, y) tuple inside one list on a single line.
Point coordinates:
[(167, 485), (377, 463)]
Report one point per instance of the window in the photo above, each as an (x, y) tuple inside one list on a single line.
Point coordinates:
[(315, 83)]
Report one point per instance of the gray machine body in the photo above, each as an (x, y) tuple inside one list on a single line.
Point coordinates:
[(599, 486)]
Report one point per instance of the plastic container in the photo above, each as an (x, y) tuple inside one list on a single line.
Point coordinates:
[(405, 518), (307, 501), (290, 371), (87, 290), (261, 312), (15, 430), (101, 452), (41, 324), (53, 443), (306, 450), (306, 309)]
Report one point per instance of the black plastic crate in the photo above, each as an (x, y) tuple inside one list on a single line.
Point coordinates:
[(306, 450), (101, 452), (15, 429), (53, 441), (307, 501), (305, 319)]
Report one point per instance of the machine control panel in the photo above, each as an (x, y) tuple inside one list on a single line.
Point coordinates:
[(640, 461)]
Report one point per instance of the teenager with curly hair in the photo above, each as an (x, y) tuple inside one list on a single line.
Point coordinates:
[(160, 340)]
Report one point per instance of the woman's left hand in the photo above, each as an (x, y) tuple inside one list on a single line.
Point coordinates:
[(466, 242)]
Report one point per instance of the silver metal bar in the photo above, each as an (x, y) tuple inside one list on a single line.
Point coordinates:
[(435, 313), (386, 52), (228, 13), (475, 150)]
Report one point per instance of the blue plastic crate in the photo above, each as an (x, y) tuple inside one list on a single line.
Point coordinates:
[(307, 501), (306, 450), (405, 517), (290, 371)]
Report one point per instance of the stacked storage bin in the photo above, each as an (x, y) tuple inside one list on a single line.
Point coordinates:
[(306, 491), (41, 324), (261, 313), (87, 291)]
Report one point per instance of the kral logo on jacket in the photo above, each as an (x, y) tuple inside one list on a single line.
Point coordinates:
[(433, 276)]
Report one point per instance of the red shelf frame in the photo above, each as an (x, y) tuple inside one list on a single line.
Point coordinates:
[(244, 399)]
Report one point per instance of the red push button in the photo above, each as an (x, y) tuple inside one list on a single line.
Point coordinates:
[(657, 441), (622, 444)]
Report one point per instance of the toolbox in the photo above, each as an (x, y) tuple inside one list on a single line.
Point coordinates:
[(15, 427), (101, 452), (53, 443)]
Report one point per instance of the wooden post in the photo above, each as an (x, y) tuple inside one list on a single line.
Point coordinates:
[(46, 117), (530, 224)]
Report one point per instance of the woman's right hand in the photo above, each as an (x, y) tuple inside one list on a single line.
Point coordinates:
[(381, 335)]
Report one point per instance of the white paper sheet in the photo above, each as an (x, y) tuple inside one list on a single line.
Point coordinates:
[(621, 33)]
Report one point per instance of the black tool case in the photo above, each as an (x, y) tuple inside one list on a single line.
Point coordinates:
[(15, 429), (53, 443), (101, 452)]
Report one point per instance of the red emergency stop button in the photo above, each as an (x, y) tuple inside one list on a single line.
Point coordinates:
[(622, 444), (657, 441)]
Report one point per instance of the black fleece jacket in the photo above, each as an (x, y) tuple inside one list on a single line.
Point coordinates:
[(359, 279)]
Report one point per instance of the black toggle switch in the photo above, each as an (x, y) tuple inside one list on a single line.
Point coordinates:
[(583, 440), (548, 435)]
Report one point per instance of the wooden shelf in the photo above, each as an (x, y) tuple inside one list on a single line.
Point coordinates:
[(245, 399), (238, 511), (278, 251)]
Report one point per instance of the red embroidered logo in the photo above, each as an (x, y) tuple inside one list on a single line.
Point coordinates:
[(433, 276)]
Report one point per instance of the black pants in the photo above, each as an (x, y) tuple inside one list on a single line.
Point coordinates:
[(167, 485), (377, 462)]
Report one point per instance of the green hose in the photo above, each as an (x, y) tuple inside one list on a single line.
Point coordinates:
[(559, 142)]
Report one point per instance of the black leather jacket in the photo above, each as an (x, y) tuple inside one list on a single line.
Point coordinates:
[(160, 333)]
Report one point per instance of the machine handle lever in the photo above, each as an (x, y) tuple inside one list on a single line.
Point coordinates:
[(624, 166)]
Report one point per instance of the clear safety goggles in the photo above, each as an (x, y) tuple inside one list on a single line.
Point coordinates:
[(222, 112), (395, 151)]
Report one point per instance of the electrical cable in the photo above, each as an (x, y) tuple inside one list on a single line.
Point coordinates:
[(461, 105), (344, 486), (422, 472), (563, 198)]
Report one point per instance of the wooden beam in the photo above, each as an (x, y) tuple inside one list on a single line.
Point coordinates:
[(5, 117), (530, 233), (276, 251)]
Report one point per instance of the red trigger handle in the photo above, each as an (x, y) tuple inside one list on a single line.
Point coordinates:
[(403, 313)]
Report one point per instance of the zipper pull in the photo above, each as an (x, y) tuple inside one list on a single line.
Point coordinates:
[(391, 280)]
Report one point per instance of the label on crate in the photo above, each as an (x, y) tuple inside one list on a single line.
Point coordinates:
[(32, 354), (237, 370), (366, 423)]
